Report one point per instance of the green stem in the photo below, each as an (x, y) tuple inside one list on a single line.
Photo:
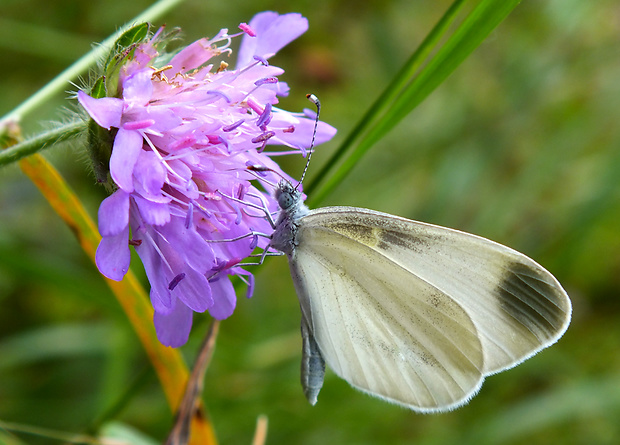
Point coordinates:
[(42, 140), (83, 64), (393, 90)]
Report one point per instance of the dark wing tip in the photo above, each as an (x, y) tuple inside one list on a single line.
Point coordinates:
[(534, 298)]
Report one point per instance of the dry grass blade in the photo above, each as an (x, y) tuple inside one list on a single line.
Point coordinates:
[(189, 408), (260, 435)]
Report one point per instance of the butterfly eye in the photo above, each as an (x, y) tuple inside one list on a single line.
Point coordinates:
[(286, 199)]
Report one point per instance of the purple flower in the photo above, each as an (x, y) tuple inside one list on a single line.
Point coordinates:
[(185, 134)]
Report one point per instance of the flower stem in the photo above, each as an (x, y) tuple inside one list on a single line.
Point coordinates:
[(42, 140)]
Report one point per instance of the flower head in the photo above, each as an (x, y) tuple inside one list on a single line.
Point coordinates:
[(184, 136)]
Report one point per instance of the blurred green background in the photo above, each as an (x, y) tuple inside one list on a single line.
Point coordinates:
[(521, 145)]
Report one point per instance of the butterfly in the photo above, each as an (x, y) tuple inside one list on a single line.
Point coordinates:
[(412, 313)]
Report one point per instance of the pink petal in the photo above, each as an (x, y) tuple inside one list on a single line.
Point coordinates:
[(138, 87), (114, 214), (150, 176), (225, 301), (273, 31), (302, 135), (173, 328), (153, 213), (113, 255), (127, 148), (194, 290), (106, 111), (192, 56)]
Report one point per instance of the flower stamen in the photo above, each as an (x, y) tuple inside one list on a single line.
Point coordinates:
[(175, 281)]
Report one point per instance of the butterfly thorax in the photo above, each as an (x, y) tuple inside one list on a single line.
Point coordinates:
[(292, 209)]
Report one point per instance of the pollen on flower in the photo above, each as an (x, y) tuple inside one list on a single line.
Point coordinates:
[(186, 162), (264, 118), (159, 74), (233, 126), (263, 137), (222, 67)]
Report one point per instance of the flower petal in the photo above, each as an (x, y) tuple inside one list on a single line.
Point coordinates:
[(114, 213), (160, 295), (157, 274), (173, 328), (224, 304), (125, 152), (153, 213), (189, 245), (194, 290), (113, 255), (273, 31), (106, 111), (138, 88), (154, 265), (151, 173), (303, 128), (192, 56)]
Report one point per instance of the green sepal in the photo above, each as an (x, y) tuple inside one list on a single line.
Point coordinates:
[(125, 44), (100, 140), (99, 89), (123, 49), (134, 35), (100, 143)]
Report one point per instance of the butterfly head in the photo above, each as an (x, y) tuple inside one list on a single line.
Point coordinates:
[(287, 195)]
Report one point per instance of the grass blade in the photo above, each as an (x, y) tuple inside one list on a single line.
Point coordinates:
[(436, 58)]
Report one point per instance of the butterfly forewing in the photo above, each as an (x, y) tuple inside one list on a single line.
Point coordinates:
[(418, 314)]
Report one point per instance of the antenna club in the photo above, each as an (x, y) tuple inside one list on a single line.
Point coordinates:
[(315, 100)]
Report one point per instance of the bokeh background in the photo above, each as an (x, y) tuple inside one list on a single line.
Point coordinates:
[(521, 145)]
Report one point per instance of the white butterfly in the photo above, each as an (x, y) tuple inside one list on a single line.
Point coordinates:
[(409, 312)]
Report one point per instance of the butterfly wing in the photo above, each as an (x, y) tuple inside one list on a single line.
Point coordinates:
[(419, 314)]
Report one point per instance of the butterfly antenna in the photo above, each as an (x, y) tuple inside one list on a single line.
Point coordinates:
[(315, 100)]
